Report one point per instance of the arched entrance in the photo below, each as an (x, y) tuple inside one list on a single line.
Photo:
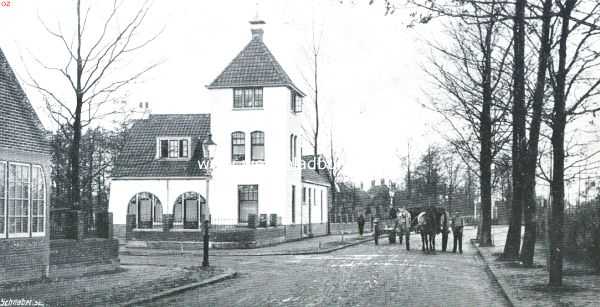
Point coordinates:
[(189, 210), (147, 210)]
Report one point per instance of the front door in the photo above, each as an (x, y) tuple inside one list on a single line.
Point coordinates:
[(191, 214)]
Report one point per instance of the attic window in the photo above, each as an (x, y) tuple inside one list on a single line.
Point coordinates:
[(173, 148), (247, 98)]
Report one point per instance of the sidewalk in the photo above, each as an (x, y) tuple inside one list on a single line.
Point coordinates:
[(317, 245), (527, 286), (130, 282)]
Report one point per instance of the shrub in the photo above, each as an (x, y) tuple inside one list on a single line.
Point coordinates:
[(582, 234)]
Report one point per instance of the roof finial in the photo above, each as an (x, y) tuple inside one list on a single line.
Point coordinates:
[(256, 15), (257, 23)]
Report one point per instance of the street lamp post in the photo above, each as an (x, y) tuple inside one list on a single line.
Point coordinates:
[(208, 147)]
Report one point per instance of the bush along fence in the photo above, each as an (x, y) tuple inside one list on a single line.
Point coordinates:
[(581, 240), (259, 230), (79, 224)]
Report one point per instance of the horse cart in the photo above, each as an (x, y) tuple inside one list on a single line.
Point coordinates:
[(393, 229)]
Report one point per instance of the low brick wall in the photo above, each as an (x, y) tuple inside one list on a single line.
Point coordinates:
[(319, 229), (159, 235), (293, 232), (337, 228), (119, 231), (69, 258), (23, 259), (221, 236)]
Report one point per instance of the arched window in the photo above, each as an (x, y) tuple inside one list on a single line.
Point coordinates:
[(257, 146), (147, 210), (238, 146), (189, 210)]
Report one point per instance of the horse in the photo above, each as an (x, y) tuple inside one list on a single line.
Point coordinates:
[(427, 227), (403, 226)]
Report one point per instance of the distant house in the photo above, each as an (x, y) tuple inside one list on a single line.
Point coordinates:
[(24, 178), (255, 121)]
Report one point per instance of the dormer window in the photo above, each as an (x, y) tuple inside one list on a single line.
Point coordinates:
[(295, 102), (247, 98), (173, 148)]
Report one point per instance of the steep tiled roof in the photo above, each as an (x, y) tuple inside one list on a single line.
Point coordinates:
[(311, 175), (254, 66), (20, 128), (138, 158)]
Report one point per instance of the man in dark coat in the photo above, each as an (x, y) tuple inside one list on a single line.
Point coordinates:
[(445, 228), (361, 224), (457, 232)]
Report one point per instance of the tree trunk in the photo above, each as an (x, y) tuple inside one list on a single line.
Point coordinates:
[(485, 156), (75, 146), (529, 196), (559, 122), (513, 238)]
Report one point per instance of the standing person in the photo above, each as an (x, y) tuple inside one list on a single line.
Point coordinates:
[(392, 213), (393, 220), (445, 227), (457, 232), (361, 224), (404, 225), (376, 231)]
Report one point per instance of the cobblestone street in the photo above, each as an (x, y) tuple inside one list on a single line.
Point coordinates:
[(362, 275)]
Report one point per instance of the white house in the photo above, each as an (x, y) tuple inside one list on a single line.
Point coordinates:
[(163, 174)]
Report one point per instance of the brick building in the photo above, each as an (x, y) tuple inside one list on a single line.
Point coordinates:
[(24, 178)]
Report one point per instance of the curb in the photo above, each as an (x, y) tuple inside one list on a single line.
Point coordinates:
[(227, 275), (324, 251), (490, 272)]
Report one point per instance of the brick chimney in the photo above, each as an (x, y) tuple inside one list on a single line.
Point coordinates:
[(256, 28)]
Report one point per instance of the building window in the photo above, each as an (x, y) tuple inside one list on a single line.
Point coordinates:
[(295, 146), (147, 209), (321, 206), (293, 204), (295, 102), (183, 148), (22, 200), (291, 148), (257, 146), (189, 209), (303, 195), (2, 197), (18, 199), (174, 148), (247, 98), (238, 146), (248, 201), (38, 200)]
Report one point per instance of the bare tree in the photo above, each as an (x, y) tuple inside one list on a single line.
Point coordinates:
[(475, 89), (334, 174), (90, 72), (575, 84)]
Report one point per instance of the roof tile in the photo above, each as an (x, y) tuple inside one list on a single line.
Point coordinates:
[(20, 127), (254, 66), (138, 157)]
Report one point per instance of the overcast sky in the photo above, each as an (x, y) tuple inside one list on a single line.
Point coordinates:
[(370, 78)]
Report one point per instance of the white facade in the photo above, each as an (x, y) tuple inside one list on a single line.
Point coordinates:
[(274, 176), (278, 177), (314, 205), (166, 190)]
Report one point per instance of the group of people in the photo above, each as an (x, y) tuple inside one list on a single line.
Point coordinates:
[(454, 223)]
